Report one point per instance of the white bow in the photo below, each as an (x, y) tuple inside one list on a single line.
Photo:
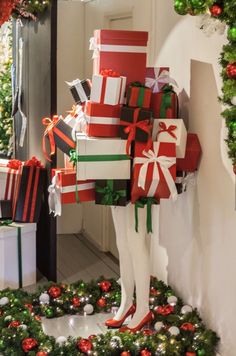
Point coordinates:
[(162, 78), (54, 198), (93, 46), (188, 180)]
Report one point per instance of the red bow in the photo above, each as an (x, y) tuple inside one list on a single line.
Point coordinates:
[(50, 123), (188, 327), (73, 111), (165, 310), (33, 162), (109, 73), (169, 129), (14, 164), (130, 128)]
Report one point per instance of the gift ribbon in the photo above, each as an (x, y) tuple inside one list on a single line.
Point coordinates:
[(141, 95), (130, 128), (166, 100), (109, 73), (8, 223), (164, 162), (109, 195), (80, 121), (162, 78), (74, 157), (54, 198), (13, 166), (49, 123), (141, 204), (169, 129)]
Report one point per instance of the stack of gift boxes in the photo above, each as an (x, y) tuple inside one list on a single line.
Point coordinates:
[(123, 139)]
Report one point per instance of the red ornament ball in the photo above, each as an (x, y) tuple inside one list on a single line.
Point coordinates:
[(54, 291), (191, 353), (125, 353), (91, 337), (29, 307), (145, 353), (231, 70), (41, 353), (102, 302), (14, 324), (216, 10), (188, 327), (84, 345), (29, 344), (154, 291), (76, 302), (105, 286), (165, 310)]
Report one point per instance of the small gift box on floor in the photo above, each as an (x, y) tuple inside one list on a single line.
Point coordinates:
[(108, 88), (165, 103), (9, 170), (171, 130), (29, 192), (123, 51), (157, 78), (112, 192), (102, 120), (139, 96), (135, 125), (154, 172), (193, 154), (5, 209), (80, 90), (101, 158), (59, 135), (18, 255), (67, 189)]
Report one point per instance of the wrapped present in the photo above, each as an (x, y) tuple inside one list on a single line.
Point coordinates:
[(135, 125), (101, 158), (123, 51), (80, 90), (112, 192), (59, 135), (157, 78), (138, 96), (183, 180), (76, 120), (108, 88), (29, 190), (9, 170), (154, 172), (18, 255), (5, 209), (67, 189), (193, 154), (102, 120), (171, 130), (165, 103)]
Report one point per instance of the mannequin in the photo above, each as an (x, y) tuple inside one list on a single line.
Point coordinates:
[(134, 268)]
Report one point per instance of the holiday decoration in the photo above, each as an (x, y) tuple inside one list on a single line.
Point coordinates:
[(231, 70), (105, 286), (138, 95), (216, 10), (112, 192), (164, 104), (54, 292), (29, 344), (84, 345), (80, 90)]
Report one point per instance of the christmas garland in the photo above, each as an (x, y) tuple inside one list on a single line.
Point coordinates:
[(177, 328), (223, 11)]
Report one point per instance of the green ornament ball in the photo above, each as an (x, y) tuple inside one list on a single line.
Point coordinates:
[(2, 345), (201, 352), (197, 4), (232, 34), (49, 312), (232, 125), (181, 7)]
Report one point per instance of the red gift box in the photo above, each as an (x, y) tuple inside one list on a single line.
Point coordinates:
[(9, 170), (154, 172), (123, 51), (165, 104), (139, 96), (102, 120), (192, 157)]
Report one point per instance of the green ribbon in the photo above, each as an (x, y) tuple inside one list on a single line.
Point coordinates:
[(141, 204), (74, 158), (8, 223), (141, 92), (166, 100), (111, 196)]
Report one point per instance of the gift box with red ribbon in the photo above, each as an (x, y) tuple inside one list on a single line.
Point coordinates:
[(67, 189), (5, 209), (29, 191), (80, 90), (154, 171), (164, 104), (171, 130), (193, 154), (157, 78), (59, 135), (123, 51), (139, 96), (102, 120), (135, 125), (9, 170), (108, 88)]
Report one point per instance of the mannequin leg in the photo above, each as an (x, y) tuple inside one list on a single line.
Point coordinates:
[(138, 246), (119, 215)]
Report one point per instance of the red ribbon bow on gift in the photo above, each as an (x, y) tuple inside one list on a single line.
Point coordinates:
[(14, 164), (50, 123), (130, 128), (169, 130), (109, 73), (33, 162)]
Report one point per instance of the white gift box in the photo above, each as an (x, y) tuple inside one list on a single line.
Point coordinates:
[(171, 130), (108, 90), (9, 267), (8, 178), (102, 158)]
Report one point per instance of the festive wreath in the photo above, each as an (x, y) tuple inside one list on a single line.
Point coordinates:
[(223, 11), (177, 328)]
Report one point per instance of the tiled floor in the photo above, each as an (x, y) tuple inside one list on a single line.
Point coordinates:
[(79, 259)]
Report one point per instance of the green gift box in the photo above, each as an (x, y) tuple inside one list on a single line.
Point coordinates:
[(112, 192)]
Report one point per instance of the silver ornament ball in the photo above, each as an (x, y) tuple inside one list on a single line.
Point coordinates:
[(174, 331), (88, 309)]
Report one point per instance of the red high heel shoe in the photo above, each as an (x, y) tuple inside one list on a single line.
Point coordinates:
[(112, 323), (146, 320)]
